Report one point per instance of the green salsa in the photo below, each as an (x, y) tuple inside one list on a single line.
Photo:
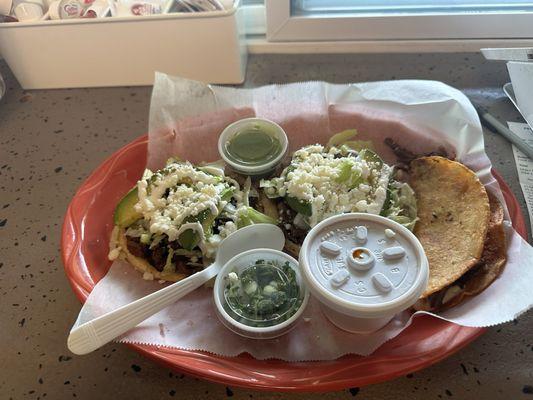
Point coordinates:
[(263, 294), (253, 146)]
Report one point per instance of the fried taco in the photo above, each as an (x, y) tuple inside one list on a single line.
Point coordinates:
[(453, 217), (171, 223), (482, 274), (343, 176)]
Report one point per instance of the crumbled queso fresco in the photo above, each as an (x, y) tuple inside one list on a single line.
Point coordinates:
[(167, 204), (317, 176), (168, 198)]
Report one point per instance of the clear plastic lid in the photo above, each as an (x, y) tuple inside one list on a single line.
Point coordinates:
[(265, 293), (260, 293), (364, 263), (268, 155)]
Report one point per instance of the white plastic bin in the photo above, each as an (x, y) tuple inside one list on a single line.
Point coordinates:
[(126, 51)]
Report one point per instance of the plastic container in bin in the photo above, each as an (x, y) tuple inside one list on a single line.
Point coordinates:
[(126, 51)]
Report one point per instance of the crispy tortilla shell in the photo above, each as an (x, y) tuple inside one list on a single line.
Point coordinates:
[(482, 275), (119, 242), (453, 212), (494, 254)]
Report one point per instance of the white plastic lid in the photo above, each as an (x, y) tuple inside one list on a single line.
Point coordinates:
[(364, 265)]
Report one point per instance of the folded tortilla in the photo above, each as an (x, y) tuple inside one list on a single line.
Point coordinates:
[(481, 276), (453, 211)]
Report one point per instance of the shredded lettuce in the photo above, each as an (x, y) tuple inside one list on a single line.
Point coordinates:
[(215, 168), (227, 194), (345, 139), (250, 216), (348, 176), (246, 191), (400, 205), (188, 253), (345, 172), (169, 265)]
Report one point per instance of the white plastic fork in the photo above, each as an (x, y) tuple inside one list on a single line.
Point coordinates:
[(93, 334)]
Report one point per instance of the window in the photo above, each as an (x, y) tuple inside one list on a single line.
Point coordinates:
[(334, 20)]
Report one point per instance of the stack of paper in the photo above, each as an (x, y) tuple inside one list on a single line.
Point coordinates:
[(520, 67)]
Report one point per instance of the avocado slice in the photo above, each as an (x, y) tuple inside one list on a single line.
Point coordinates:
[(125, 213), (190, 238)]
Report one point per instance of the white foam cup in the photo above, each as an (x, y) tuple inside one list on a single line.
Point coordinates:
[(364, 269)]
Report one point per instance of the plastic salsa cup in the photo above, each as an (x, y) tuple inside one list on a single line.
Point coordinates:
[(364, 269), (275, 326), (265, 143)]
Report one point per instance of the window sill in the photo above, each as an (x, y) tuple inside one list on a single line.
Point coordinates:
[(259, 45)]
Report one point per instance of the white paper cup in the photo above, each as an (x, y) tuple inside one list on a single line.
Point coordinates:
[(362, 275), (26, 12)]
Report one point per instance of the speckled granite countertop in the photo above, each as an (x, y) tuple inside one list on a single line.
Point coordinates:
[(51, 140)]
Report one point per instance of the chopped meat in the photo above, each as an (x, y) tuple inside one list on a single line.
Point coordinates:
[(175, 245), (291, 231), (137, 248), (182, 267), (253, 202), (156, 257), (406, 156), (159, 257)]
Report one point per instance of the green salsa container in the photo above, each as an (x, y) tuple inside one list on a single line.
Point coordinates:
[(253, 146), (269, 326)]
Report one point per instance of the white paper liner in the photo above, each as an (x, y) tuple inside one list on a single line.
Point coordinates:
[(186, 118)]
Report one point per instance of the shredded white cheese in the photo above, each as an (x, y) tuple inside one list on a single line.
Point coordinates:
[(228, 228), (314, 178), (171, 197)]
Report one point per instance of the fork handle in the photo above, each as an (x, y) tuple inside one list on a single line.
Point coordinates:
[(95, 333)]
